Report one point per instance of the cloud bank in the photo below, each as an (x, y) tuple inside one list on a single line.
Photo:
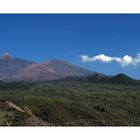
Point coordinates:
[(123, 61)]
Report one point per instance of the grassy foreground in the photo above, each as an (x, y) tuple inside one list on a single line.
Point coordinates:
[(73, 103)]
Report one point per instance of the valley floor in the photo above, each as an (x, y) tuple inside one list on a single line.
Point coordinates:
[(70, 104)]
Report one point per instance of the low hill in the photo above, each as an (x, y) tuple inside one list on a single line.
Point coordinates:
[(100, 78), (118, 79), (123, 79)]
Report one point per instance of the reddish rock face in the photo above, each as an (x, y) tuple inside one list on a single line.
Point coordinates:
[(52, 70), (12, 68)]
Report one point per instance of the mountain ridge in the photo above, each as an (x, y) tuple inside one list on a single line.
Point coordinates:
[(121, 79), (17, 69), (11, 66), (52, 70)]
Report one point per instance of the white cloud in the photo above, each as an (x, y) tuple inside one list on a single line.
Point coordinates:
[(123, 61), (137, 59)]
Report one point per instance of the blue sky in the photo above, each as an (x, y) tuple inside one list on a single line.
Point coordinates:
[(67, 37)]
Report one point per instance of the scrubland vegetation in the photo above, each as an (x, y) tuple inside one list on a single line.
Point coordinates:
[(73, 103)]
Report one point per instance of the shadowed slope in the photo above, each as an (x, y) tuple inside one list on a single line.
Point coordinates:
[(10, 66)]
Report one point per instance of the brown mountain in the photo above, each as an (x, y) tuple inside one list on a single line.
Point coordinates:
[(52, 70), (10, 66)]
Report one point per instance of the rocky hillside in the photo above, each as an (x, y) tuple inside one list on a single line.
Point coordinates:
[(13, 115), (52, 70), (11, 66), (16, 69)]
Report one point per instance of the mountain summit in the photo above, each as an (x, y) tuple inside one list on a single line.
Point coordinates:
[(52, 70), (12, 68), (6, 56)]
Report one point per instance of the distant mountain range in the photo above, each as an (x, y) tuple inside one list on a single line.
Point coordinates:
[(16, 69), (12, 69)]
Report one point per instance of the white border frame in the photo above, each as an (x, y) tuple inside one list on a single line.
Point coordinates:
[(71, 6)]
